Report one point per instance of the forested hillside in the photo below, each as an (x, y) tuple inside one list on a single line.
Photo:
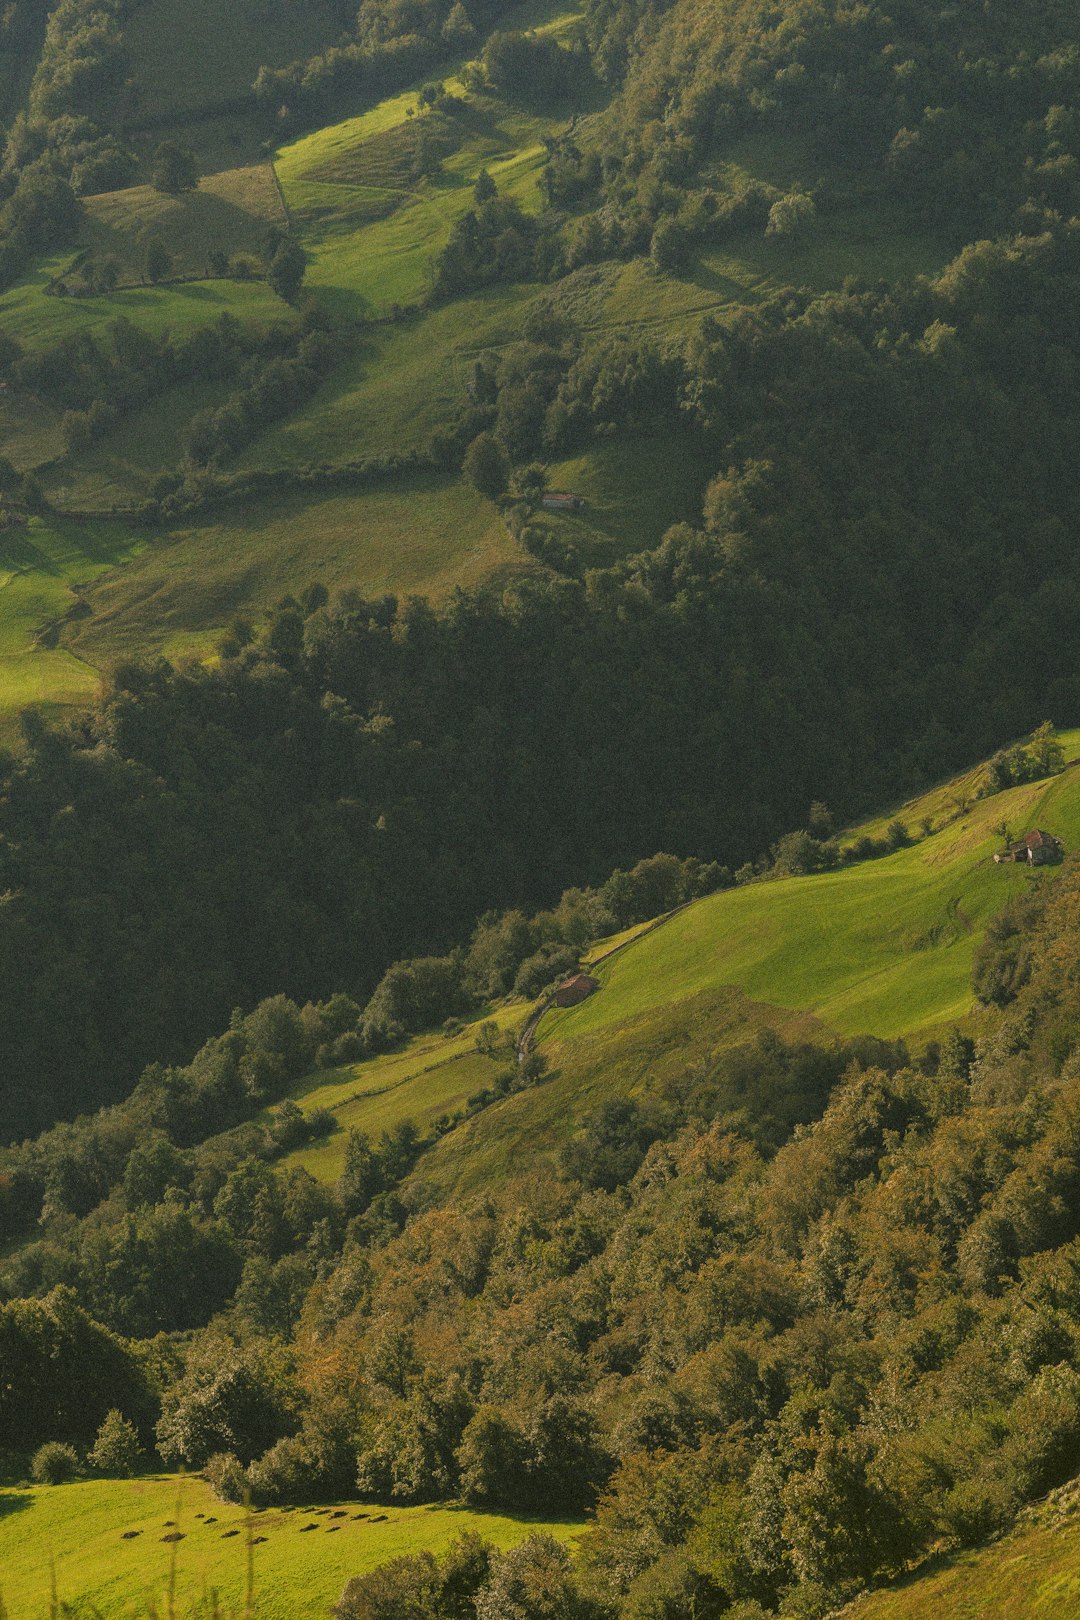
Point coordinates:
[(790, 1319), (450, 452)]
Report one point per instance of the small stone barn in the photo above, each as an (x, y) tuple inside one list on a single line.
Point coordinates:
[(561, 500), (1036, 848), (579, 988)]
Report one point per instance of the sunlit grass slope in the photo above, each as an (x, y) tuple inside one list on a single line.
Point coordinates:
[(38, 567), (432, 1075), (424, 535), (298, 1575), (883, 948), (1032, 1574)]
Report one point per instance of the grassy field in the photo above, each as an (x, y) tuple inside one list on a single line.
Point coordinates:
[(296, 1575), (35, 320), (1032, 1574), (190, 54), (39, 567), (423, 536), (884, 948), (231, 211)]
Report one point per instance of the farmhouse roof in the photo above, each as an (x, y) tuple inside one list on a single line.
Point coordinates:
[(1037, 839)]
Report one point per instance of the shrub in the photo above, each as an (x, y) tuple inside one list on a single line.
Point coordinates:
[(116, 1449), (225, 1477), (54, 1463)]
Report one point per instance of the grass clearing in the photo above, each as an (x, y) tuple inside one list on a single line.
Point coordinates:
[(115, 471), (35, 319), (431, 1076), (399, 385), (297, 1574), (191, 54), (231, 211), (635, 489), (39, 566), (425, 536)]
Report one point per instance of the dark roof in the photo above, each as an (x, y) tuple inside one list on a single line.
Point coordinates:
[(1038, 838), (580, 981)]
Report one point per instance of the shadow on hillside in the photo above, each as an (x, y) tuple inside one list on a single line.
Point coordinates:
[(12, 1501)]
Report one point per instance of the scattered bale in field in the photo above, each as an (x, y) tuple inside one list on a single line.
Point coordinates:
[(200, 1515), (174, 1535), (256, 1540), (359, 1516), (331, 1528), (212, 1519), (169, 1523), (338, 1514), (225, 1534), (129, 1535), (305, 1527), (379, 1518)]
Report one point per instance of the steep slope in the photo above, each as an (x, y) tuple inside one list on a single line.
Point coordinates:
[(882, 948)]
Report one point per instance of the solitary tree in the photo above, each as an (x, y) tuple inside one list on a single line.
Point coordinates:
[(486, 465), (485, 189), (174, 169), (157, 261), (791, 215), (286, 270), (116, 1449)]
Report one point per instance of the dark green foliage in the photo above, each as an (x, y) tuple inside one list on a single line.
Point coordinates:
[(486, 465), (286, 269), (174, 169), (54, 1464), (61, 1373), (116, 1450)]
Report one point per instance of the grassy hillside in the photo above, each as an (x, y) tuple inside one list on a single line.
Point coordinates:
[(1033, 1574), (882, 948), (297, 1574), (39, 566), (426, 536)]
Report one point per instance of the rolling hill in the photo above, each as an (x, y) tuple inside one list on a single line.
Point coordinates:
[(372, 228), (883, 947)]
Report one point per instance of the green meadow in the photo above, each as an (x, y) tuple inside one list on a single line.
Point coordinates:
[(422, 536), (882, 948), (40, 568), (78, 1530), (1031, 1574)]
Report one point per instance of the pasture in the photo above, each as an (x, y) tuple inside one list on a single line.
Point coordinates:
[(884, 947), (422, 535), (298, 1574), (40, 568), (432, 1076)]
